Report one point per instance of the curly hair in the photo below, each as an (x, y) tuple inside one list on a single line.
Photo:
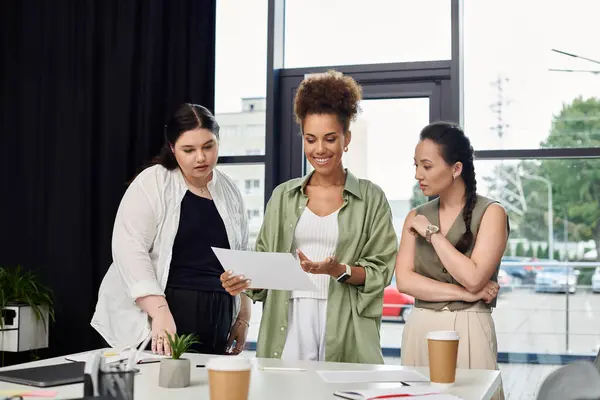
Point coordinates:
[(329, 93)]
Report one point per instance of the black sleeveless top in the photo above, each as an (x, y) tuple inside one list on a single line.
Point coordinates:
[(193, 264)]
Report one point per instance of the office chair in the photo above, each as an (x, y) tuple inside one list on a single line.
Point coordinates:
[(577, 381)]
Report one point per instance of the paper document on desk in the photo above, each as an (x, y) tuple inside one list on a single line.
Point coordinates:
[(279, 271), (419, 392), (397, 375), (115, 356)]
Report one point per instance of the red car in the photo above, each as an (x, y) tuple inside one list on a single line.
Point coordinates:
[(396, 304)]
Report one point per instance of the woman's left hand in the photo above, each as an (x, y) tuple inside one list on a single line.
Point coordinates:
[(419, 224), (238, 333), (327, 267)]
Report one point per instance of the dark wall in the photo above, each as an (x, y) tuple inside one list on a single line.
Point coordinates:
[(86, 88)]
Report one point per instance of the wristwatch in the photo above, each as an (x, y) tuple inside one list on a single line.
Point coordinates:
[(346, 275), (431, 230)]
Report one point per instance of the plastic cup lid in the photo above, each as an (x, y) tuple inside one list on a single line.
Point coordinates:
[(443, 335), (229, 363)]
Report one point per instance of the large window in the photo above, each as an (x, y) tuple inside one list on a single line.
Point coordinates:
[(349, 32), (549, 302), (524, 77), (240, 75), (525, 62), (240, 104)]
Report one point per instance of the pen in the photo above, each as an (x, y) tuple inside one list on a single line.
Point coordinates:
[(281, 369)]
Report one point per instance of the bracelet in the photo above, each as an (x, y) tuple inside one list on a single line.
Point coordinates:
[(244, 321)]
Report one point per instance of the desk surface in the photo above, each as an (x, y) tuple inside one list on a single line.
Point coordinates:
[(267, 385)]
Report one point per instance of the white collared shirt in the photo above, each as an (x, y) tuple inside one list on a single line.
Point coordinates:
[(142, 244)]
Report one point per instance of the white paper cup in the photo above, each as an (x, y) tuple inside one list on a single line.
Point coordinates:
[(443, 352), (229, 377)]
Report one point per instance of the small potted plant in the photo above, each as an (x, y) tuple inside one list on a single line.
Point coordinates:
[(26, 309), (175, 371)]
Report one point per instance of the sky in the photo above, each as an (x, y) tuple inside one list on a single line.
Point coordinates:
[(507, 39)]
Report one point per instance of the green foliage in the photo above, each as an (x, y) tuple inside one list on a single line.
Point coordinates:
[(181, 343), (18, 286), (575, 182), (418, 197), (543, 254), (530, 252), (556, 255), (520, 251)]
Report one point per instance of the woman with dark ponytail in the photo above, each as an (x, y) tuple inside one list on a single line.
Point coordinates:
[(165, 277), (450, 253)]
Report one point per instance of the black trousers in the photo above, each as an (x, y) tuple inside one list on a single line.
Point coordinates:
[(208, 314)]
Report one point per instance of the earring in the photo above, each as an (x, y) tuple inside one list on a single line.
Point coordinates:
[(346, 148)]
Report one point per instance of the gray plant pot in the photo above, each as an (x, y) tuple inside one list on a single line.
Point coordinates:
[(174, 373)]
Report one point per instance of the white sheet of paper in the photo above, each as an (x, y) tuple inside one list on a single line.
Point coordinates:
[(279, 271), (424, 392), (400, 375)]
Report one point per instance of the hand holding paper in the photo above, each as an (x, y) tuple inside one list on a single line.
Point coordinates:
[(278, 271)]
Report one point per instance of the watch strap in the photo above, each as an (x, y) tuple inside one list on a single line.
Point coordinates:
[(345, 275)]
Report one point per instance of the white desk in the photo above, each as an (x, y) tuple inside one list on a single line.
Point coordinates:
[(272, 385)]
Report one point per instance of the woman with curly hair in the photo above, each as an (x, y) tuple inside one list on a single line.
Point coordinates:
[(339, 227)]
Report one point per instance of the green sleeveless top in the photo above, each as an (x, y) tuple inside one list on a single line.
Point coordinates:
[(427, 262)]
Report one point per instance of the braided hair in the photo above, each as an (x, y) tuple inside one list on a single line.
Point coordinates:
[(456, 147)]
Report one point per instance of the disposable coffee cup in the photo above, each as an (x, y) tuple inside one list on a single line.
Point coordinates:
[(443, 352), (229, 377)]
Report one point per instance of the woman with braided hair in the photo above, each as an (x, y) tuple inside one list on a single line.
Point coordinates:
[(450, 252)]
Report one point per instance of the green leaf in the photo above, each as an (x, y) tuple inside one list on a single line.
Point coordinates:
[(24, 287), (181, 343)]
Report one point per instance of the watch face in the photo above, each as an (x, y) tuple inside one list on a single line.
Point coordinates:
[(343, 278), (433, 229)]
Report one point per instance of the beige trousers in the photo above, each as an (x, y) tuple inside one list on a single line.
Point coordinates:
[(477, 348)]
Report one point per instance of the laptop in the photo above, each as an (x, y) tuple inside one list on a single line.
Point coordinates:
[(46, 376)]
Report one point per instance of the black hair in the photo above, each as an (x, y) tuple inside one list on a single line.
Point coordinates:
[(455, 147), (186, 117)]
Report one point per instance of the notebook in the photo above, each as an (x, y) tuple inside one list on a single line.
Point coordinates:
[(112, 356), (49, 375)]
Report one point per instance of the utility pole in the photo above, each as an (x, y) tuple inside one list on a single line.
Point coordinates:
[(498, 107)]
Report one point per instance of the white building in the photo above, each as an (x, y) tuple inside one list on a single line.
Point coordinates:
[(243, 133)]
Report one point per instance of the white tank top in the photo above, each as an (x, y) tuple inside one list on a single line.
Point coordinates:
[(317, 238)]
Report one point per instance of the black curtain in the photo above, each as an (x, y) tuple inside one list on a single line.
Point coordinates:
[(86, 88)]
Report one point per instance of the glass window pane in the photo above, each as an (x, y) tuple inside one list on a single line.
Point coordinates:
[(346, 32), (240, 86), (517, 89), (532, 309), (249, 178)]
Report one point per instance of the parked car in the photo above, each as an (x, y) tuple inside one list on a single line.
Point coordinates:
[(596, 280), (556, 279), (521, 274), (395, 304), (505, 281)]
